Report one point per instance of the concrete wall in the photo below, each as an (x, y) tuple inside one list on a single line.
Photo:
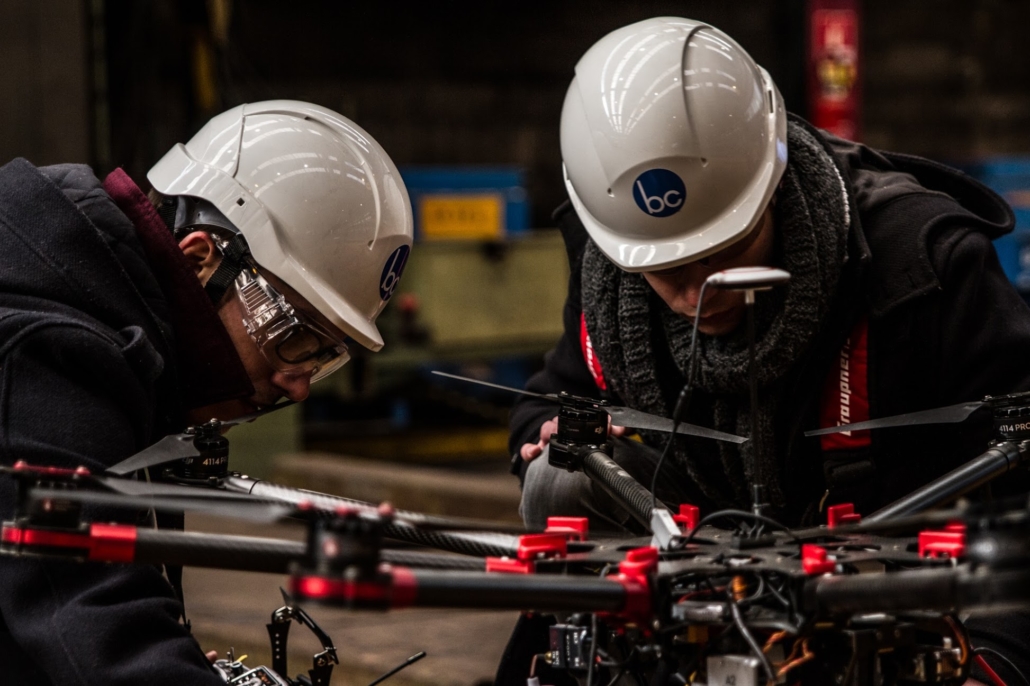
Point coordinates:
[(44, 88)]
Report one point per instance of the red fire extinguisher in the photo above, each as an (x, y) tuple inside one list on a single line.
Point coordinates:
[(834, 96)]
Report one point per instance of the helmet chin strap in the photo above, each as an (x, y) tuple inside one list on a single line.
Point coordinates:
[(183, 214), (234, 261)]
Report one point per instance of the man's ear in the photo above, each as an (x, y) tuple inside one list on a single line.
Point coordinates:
[(202, 253)]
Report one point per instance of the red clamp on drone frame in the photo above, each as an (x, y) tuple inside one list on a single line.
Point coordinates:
[(573, 528), (841, 514), (688, 517), (506, 565), (103, 543), (633, 574), (815, 560), (392, 587), (949, 543), (531, 547)]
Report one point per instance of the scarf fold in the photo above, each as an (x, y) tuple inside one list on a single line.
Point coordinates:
[(628, 323)]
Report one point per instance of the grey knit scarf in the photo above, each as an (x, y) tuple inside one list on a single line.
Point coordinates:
[(626, 320)]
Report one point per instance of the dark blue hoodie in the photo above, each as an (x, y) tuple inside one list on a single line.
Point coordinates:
[(93, 368)]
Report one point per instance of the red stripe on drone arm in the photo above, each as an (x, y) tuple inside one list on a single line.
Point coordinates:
[(405, 587), (104, 542), (50, 539), (112, 543), (637, 606)]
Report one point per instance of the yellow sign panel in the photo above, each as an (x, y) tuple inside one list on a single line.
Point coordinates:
[(479, 216)]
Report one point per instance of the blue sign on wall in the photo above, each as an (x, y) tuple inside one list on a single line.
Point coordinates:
[(507, 183), (1010, 178)]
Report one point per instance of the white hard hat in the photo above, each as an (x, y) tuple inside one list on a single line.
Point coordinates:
[(319, 202), (673, 141)]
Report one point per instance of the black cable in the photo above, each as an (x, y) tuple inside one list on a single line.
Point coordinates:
[(738, 513), (593, 649), (593, 634), (618, 675), (738, 619), (779, 595), (407, 663), (1008, 662), (759, 591), (683, 401)]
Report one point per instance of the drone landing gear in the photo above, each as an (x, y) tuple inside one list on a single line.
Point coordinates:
[(278, 632)]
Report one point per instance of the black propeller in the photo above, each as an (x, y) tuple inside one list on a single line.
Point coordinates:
[(953, 414), (182, 446), (621, 416)]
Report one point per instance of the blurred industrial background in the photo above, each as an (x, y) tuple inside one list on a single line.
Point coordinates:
[(466, 97)]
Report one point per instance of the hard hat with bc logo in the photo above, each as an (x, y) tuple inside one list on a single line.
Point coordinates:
[(318, 201), (673, 141)]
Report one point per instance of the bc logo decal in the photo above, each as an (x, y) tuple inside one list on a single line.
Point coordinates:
[(392, 272), (659, 192)]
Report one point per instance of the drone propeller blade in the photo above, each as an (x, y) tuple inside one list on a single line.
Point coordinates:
[(634, 419), (168, 449), (257, 415), (622, 416), (548, 396), (952, 414), (260, 512), (179, 446)]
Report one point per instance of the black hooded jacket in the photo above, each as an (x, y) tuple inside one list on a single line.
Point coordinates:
[(88, 376), (944, 327)]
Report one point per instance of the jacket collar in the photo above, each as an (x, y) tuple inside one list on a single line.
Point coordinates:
[(900, 204), (210, 370)]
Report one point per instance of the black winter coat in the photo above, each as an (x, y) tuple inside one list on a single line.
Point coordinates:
[(88, 376)]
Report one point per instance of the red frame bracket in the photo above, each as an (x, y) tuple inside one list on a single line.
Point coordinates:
[(573, 528), (815, 560), (947, 544), (534, 546), (506, 565), (843, 513), (688, 517)]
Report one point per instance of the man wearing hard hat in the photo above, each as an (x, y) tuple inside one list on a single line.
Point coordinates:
[(271, 242), (680, 161)]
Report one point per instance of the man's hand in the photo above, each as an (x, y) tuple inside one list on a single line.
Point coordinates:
[(530, 451)]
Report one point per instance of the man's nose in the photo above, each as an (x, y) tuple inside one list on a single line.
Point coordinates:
[(296, 387), (688, 287)]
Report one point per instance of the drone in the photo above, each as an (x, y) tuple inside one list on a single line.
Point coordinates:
[(853, 602), (858, 601)]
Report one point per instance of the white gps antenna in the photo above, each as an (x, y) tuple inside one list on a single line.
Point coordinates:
[(750, 280)]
